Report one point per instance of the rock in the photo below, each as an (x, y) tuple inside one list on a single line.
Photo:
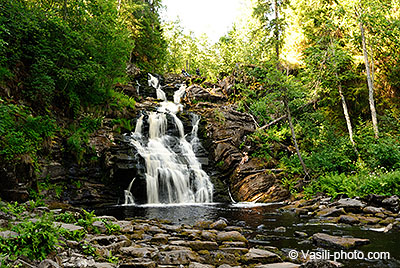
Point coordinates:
[(350, 205), (218, 225), (331, 212), (209, 235), (260, 256), (202, 245), (196, 245), (8, 234), (369, 220), (234, 244), (280, 229), (231, 236), (300, 234), (138, 252), (348, 219), (125, 226), (240, 251), (48, 264), (391, 201), (104, 265), (176, 257), (372, 210), (330, 241), (201, 224), (278, 265), (139, 263), (100, 226), (69, 227), (108, 218), (321, 264), (199, 265), (160, 238)]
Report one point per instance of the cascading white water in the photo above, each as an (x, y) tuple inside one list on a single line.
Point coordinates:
[(173, 173), (129, 200), (154, 82)]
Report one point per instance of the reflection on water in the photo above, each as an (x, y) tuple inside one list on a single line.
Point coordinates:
[(261, 220)]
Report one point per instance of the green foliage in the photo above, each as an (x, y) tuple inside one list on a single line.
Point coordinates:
[(111, 228), (35, 240), (21, 133), (68, 55), (361, 184)]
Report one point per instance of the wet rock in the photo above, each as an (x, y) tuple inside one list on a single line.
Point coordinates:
[(69, 227), (350, 205), (100, 226), (240, 251), (138, 252), (392, 203), (330, 241), (218, 225), (139, 263), (202, 224), (348, 219), (321, 264), (231, 236), (160, 238), (331, 212), (200, 265), (372, 210), (228, 266), (369, 220), (176, 257), (233, 244), (125, 226), (260, 256), (209, 235), (300, 234), (196, 245), (280, 229), (278, 265)]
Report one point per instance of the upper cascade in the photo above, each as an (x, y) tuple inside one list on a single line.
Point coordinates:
[(173, 172)]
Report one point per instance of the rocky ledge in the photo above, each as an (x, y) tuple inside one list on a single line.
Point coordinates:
[(376, 213)]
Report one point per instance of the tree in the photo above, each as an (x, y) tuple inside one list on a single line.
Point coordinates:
[(370, 77), (273, 23)]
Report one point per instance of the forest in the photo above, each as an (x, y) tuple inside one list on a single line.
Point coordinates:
[(333, 66), (320, 79)]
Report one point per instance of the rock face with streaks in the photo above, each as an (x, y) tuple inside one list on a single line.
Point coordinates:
[(248, 178)]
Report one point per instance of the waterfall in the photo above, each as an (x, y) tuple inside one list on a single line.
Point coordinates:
[(129, 200), (173, 173)]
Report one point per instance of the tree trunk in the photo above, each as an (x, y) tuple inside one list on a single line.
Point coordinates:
[(276, 32), (285, 100), (346, 113), (370, 82), (344, 104)]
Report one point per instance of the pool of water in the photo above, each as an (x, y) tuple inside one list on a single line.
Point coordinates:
[(260, 221)]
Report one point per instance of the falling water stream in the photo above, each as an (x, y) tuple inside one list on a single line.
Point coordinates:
[(173, 172)]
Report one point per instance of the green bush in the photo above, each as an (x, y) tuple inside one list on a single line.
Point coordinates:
[(21, 133), (361, 184), (35, 239)]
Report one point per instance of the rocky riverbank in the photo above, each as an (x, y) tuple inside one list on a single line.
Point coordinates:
[(377, 213), (84, 240)]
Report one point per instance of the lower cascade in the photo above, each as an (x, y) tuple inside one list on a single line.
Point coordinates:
[(173, 172)]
